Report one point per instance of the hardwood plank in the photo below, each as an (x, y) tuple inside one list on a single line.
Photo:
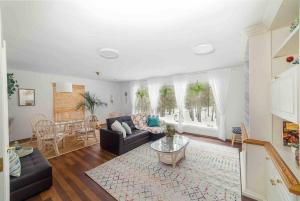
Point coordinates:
[(71, 183), (69, 191), (51, 193), (61, 192)]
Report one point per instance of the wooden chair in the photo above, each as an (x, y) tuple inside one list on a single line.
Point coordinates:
[(47, 134), (87, 128), (34, 120)]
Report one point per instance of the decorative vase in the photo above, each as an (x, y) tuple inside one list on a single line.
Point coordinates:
[(289, 59)]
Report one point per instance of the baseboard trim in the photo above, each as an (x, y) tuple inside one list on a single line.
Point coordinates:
[(20, 141), (210, 137), (248, 193), (207, 136), (201, 135)]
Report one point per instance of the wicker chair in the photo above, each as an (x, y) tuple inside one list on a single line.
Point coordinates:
[(87, 128), (47, 134), (34, 120)]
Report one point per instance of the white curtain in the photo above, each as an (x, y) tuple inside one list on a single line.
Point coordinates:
[(180, 84), (133, 89), (154, 86), (219, 82)]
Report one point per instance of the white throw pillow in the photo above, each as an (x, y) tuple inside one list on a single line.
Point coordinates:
[(116, 126), (14, 164), (127, 128)]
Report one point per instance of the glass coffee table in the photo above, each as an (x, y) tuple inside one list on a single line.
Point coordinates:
[(170, 150)]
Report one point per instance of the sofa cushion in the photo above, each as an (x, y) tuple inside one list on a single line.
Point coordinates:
[(136, 135), (127, 128), (117, 126), (34, 168), (126, 119), (140, 120), (153, 121), (155, 130), (14, 164)]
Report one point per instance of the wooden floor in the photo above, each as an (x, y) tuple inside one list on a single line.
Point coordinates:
[(71, 184)]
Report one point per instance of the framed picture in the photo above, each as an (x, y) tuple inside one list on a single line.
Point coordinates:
[(26, 97)]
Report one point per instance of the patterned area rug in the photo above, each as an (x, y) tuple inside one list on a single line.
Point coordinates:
[(209, 172)]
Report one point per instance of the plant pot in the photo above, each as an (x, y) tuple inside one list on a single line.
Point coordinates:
[(297, 156), (294, 149)]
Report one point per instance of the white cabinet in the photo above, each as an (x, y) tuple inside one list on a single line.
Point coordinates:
[(276, 190), (285, 95), (275, 97)]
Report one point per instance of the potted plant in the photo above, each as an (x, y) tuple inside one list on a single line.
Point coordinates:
[(89, 103), (142, 102), (12, 84), (170, 131)]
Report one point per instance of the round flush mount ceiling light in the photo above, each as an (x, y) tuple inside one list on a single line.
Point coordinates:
[(204, 48), (108, 53)]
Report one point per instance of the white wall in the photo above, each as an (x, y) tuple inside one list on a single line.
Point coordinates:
[(42, 83), (235, 111), (235, 107), (126, 102)]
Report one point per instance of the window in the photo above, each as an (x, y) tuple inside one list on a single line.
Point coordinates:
[(199, 105), (200, 109), (142, 101), (167, 101)]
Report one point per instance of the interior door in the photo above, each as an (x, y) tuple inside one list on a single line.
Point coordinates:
[(4, 169)]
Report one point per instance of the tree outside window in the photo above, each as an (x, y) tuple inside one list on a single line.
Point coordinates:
[(142, 101), (167, 101), (200, 103), (199, 108)]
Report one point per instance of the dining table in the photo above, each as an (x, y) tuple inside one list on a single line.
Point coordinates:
[(69, 126)]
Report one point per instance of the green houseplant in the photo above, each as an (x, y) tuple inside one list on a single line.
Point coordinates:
[(193, 99), (142, 102), (12, 84), (90, 102), (170, 131), (167, 102)]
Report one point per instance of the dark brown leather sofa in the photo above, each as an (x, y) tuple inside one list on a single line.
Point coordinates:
[(36, 176), (114, 141)]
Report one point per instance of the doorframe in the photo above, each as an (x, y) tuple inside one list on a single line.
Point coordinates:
[(4, 139)]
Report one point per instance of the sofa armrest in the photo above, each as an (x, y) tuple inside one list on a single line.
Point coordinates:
[(110, 140), (107, 135)]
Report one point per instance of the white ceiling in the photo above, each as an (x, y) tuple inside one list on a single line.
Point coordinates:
[(153, 37)]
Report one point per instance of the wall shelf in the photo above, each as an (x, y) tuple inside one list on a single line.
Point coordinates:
[(289, 46), (286, 12)]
